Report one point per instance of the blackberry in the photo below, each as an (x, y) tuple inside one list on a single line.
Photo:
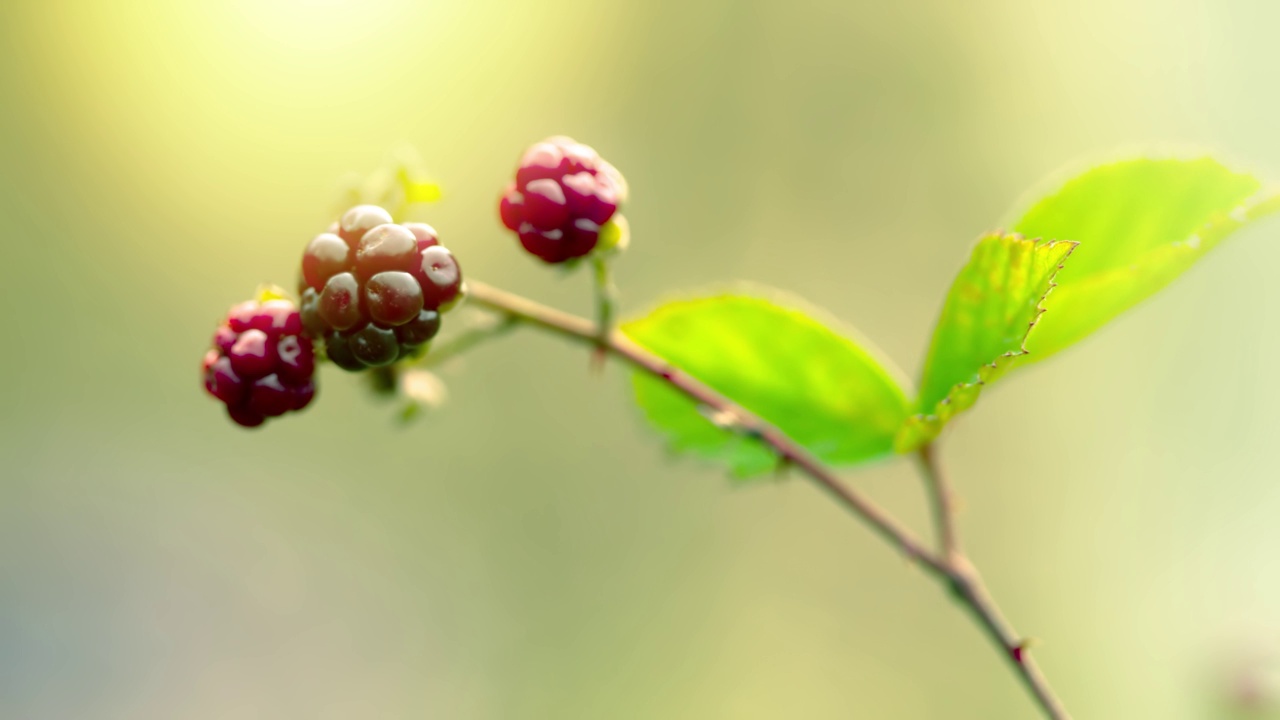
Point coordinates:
[(375, 346), (374, 290), (385, 248), (359, 220), (420, 330), (261, 364), (393, 298), (563, 195), (326, 256)]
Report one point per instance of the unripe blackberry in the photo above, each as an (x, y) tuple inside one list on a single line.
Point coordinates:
[(340, 302), (424, 234), (385, 248), (420, 330), (375, 346), (563, 194), (374, 290), (261, 364), (359, 220), (326, 256), (440, 277)]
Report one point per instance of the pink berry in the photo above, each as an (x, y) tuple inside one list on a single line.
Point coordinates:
[(511, 208), (424, 234), (544, 204), (223, 383), (253, 355), (564, 192), (297, 359), (440, 277), (266, 368)]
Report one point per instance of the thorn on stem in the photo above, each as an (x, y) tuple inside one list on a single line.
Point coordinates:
[(1019, 650), (598, 356), (784, 464), (910, 556)]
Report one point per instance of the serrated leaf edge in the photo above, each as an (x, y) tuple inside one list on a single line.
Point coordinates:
[(920, 429)]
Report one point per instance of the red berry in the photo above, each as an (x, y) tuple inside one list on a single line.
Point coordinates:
[(253, 355), (424, 234), (297, 359), (393, 298), (325, 256), (563, 193), (340, 301), (270, 397), (359, 220), (210, 358), (224, 338), (590, 197), (265, 369), (440, 276), (581, 157), (245, 417), (240, 316), (384, 248), (277, 316), (544, 204), (223, 383), (581, 237), (303, 394), (548, 245), (511, 208), (540, 161)]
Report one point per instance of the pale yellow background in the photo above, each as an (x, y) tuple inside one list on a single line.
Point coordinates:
[(530, 551)]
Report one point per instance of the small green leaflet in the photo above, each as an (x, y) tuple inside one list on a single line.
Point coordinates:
[(1140, 224), (834, 395), (993, 305)]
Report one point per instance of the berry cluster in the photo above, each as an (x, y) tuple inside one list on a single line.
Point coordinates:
[(374, 290), (563, 194), (261, 363)]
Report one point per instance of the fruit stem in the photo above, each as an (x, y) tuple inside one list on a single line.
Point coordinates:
[(953, 570), (466, 340), (606, 300)]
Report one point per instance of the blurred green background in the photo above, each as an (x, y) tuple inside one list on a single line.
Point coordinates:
[(529, 551)]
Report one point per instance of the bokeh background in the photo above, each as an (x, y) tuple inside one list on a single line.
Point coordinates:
[(529, 550)]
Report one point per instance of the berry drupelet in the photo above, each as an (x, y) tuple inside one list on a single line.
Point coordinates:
[(563, 194), (261, 364), (374, 290)]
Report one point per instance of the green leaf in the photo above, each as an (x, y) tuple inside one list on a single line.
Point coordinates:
[(833, 395), (1141, 223), (993, 305)]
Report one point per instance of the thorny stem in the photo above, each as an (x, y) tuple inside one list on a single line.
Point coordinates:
[(969, 590), (949, 566)]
